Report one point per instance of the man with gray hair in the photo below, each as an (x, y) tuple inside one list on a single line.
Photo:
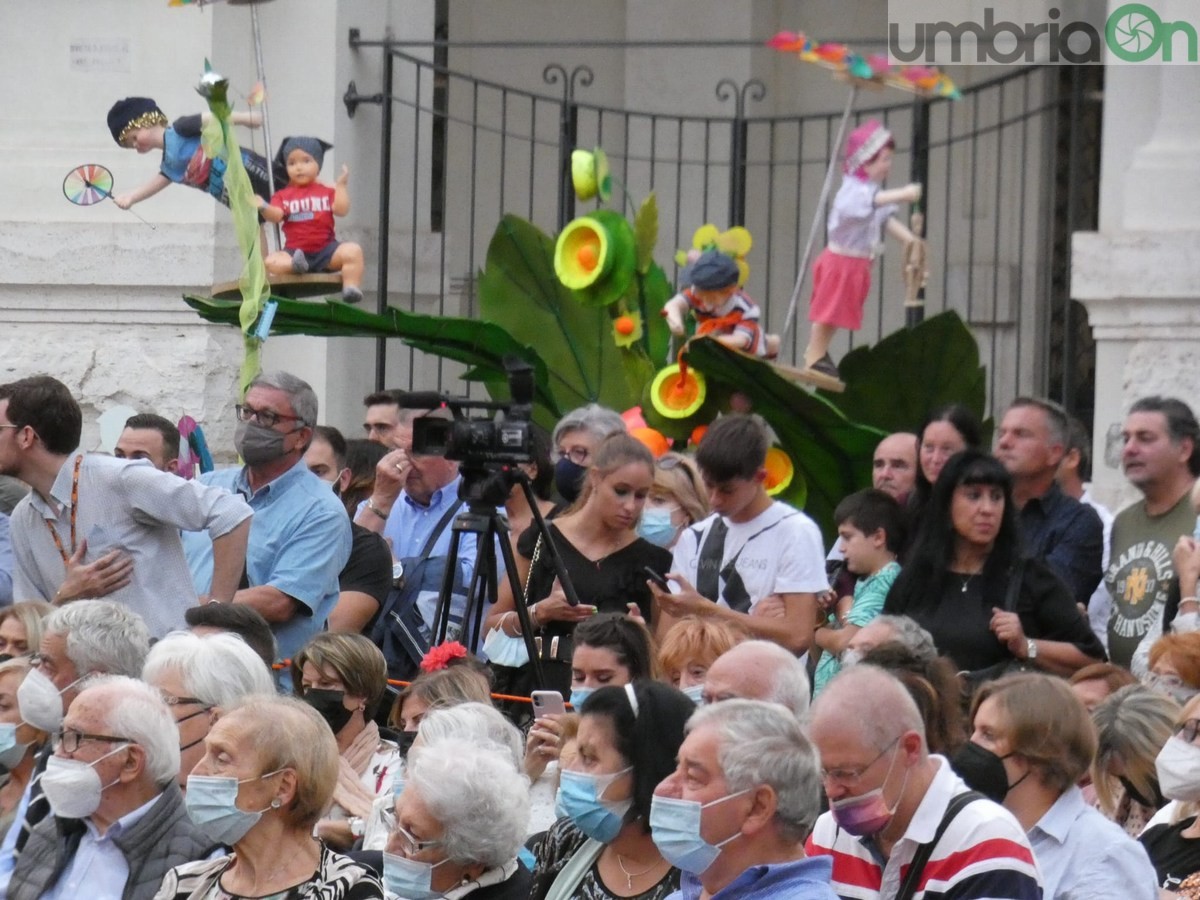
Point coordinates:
[(88, 637), (890, 629), (759, 670), (300, 537), (890, 800), (119, 822), (1056, 528), (734, 814)]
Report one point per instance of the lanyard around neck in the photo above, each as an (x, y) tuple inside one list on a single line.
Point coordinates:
[(66, 557)]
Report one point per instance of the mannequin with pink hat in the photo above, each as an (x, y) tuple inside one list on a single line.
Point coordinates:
[(862, 211)]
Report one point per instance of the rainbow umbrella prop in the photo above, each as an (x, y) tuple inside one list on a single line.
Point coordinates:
[(872, 71)]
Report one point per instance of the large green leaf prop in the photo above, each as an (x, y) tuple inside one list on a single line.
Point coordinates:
[(518, 292), (480, 345), (832, 454), (894, 384)]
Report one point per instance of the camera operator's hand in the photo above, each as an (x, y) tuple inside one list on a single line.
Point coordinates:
[(555, 608), (390, 475)]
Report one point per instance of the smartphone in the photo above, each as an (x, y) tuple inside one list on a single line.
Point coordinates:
[(547, 703), (658, 580)]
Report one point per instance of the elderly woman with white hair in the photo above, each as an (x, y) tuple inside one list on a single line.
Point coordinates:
[(459, 824), (266, 777), (198, 676)]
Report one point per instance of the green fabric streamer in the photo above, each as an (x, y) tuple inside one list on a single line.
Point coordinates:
[(219, 141)]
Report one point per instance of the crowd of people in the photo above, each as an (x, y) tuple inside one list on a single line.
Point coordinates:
[(276, 680)]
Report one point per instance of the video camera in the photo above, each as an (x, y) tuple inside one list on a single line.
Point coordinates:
[(478, 443)]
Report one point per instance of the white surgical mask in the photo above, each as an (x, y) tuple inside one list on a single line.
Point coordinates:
[(40, 702), (72, 786), (1178, 766)]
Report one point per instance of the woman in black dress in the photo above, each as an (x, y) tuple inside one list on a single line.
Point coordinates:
[(956, 581), (601, 551)]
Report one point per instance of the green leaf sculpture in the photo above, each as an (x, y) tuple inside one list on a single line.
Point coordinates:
[(894, 384), (645, 230), (831, 453), (518, 292)]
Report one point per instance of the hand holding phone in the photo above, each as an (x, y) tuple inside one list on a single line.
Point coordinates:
[(658, 580), (547, 703)]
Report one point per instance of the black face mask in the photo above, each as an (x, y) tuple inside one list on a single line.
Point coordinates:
[(406, 741), (568, 479), (1157, 802), (329, 704), (5, 657), (984, 771)]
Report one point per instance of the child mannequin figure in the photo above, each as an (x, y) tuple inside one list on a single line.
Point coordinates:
[(138, 124), (721, 308), (306, 208), (860, 213)]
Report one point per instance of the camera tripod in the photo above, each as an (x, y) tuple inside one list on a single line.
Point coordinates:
[(484, 491)]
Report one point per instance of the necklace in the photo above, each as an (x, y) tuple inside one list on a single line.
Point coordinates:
[(629, 876), (967, 581)]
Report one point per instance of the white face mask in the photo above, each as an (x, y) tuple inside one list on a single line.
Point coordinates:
[(1178, 766), (72, 787), (40, 702)]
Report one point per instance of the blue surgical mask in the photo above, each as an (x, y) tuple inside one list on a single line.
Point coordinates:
[(579, 694), (695, 693), (579, 798), (656, 527), (675, 830), (11, 751), (409, 878), (211, 802)]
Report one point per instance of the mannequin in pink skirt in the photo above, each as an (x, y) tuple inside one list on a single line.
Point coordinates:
[(861, 212)]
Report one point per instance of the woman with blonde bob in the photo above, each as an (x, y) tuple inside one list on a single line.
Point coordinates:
[(690, 646), (677, 499), (343, 677), (1032, 741), (21, 627), (1132, 726), (268, 773)]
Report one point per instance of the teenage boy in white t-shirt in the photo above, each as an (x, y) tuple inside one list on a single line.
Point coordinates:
[(751, 547)]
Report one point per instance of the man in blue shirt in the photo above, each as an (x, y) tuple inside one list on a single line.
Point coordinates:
[(1057, 529), (734, 814), (300, 536)]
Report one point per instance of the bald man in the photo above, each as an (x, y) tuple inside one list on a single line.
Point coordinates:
[(758, 670), (888, 795), (894, 468)]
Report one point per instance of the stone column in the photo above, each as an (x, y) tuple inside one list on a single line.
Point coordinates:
[(1139, 275)]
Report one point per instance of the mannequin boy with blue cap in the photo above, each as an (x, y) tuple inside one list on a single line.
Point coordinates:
[(306, 208), (721, 308)]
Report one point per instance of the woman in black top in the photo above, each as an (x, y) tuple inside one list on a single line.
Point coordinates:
[(601, 551), (956, 581)]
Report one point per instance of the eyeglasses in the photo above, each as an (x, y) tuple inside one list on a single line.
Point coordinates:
[(577, 455), (1188, 729), (264, 417), (409, 843), (849, 777), (70, 739), (11, 426)]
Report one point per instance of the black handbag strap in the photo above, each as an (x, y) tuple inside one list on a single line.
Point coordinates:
[(957, 803), (1014, 586), (439, 528)]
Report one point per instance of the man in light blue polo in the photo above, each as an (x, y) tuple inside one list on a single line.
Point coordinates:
[(300, 536)]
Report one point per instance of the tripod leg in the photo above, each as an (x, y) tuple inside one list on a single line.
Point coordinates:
[(441, 618)]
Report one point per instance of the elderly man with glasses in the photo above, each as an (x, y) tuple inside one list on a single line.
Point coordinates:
[(900, 822), (300, 536), (119, 822)]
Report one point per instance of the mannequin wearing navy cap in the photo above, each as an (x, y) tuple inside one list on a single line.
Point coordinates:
[(720, 307), (306, 208), (138, 124)]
